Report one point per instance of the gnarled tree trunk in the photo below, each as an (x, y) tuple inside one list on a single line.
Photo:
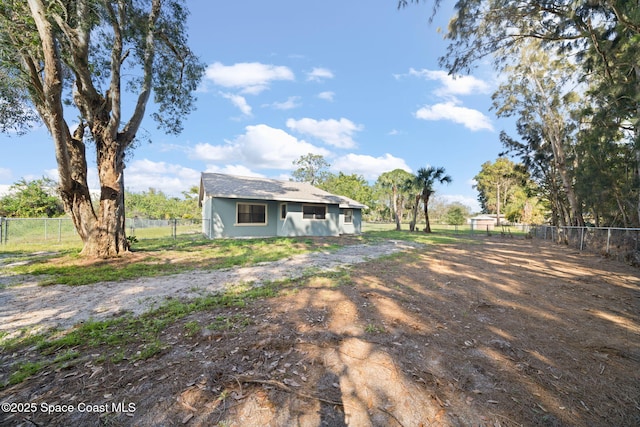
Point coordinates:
[(51, 58), (108, 238)]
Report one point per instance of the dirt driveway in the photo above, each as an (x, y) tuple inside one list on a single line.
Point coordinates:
[(491, 331), (28, 305)]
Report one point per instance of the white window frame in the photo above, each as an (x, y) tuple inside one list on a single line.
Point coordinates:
[(252, 224), (348, 212)]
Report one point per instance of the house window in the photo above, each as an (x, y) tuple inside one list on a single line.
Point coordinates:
[(251, 213), (283, 211), (314, 212), (348, 216)]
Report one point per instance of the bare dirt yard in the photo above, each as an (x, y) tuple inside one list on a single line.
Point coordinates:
[(485, 331)]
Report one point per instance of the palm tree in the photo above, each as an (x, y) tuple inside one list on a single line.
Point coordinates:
[(426, 178), (396, 181), (415, 189)]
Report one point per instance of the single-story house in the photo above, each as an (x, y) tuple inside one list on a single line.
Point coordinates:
[(242, 206)]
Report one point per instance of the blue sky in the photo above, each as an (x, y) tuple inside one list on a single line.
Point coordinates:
[(356, 81)]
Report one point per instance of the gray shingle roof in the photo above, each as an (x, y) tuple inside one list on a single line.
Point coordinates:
[(246, 187)]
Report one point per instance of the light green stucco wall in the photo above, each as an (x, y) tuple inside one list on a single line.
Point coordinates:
[(220, 221), (296, 225), (355, 227), (223, 219)]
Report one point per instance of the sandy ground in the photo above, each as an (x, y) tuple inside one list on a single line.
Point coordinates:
[(27, 305), (490, 331)]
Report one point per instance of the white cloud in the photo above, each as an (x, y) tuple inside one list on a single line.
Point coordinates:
[(260, 147), (238, 170), (51, 174), (338, 133), (453, 85), (451, 109), (5, 174), (215, 153), (470, 118), (327, 96), (291, 103), (319, 74), (171, 179), (248, 77), (239, 101), (368, 166), (4, 189)]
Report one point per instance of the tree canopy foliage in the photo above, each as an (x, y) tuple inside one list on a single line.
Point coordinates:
[(394, 196), (396, 184), (353, 186), (32, 199), (72, 63), (311, 168), (572, 69), (506, 188), (154, 204), (456, 215)]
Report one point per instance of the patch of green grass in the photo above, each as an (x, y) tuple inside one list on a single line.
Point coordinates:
[(66, 356), (339, 277), (24, 371), (68, 274), (157, 257), (25, 338), (163, 256), (117, 357), (148, 350), (193, 328), (436, 237), (372, 328), (228, 323)]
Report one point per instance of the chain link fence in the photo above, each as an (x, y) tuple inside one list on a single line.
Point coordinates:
[(622, 244), (15, 231)]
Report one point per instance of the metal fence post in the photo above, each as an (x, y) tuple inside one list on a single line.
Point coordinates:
[(59, 230), (132, 227), (608, 238), (581, 238), (1, 230)]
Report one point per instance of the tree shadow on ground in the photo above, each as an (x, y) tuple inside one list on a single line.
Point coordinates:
[(496, 332)]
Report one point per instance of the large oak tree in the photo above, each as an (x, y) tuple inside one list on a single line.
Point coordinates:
[(75, 62)]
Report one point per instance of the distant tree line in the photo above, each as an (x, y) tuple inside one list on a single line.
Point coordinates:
[(506, 188), (39, 198), (396, 196), (32, 199), (154, 204)]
